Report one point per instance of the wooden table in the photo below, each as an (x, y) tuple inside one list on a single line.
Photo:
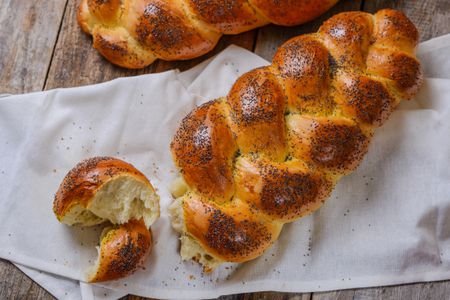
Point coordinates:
[(42, 48)]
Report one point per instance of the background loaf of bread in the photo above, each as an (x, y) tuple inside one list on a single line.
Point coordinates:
[(134, 33)]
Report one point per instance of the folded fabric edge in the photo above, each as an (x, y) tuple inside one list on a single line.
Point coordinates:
[(442, 41), (88, 292), (30, 262), (291, 287), (52, 283), (233, 51), (57, 286), (96, 85)]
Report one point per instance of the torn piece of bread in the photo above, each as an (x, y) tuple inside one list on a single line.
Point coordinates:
[(103, 189), (106, 189), (122, 250)]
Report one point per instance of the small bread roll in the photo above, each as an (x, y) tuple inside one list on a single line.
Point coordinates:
[(102, 189)]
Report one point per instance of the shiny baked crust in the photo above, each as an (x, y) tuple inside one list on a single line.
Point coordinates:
[(106, 189), (134, 33), (123, 249), (272, 150)]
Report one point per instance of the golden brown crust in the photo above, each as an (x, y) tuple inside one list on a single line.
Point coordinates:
[(204, 149), (334, 144), (292, 12), (82, 182), (139, 31), (257, 105), (123, 250), (105, 11), (233, 232), (83, 16), (365, 98), (151, 30), (403, 69), (284, 191), (347, 36), (115, 45), (298, 126), (394, 30), (227, 16), (304, 67)]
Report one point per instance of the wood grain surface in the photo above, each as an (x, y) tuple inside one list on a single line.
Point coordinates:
[(42, 47), (28, 32)]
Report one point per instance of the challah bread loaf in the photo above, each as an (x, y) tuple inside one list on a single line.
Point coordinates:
[(272, 150), (134, 33), (102, 189)]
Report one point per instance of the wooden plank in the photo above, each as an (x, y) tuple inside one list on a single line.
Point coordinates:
[(132, 297), (28, 34), (271, 37), (418, 291), (250, 296), (16, 285), (267, 296), (432, 17), (77, 63)]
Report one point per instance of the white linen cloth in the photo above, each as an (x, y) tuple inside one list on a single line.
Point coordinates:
[(387, 223)]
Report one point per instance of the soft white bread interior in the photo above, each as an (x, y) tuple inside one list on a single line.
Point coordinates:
[(190, 248), (117, 201)]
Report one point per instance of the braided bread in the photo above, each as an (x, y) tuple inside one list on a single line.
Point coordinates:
[(134, 33), (272, 150)]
